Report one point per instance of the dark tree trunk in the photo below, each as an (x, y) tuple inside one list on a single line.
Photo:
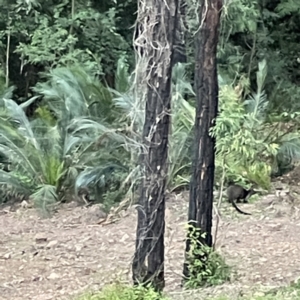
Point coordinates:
[(155, 39), (206, 86), (179, 44), (180, 32)]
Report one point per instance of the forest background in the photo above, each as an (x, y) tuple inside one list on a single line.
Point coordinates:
[(71, 122)]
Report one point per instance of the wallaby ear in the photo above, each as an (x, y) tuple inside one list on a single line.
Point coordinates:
[(230, 182)]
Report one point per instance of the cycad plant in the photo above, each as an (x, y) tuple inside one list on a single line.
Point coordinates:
[(47, 154), (34, 154)]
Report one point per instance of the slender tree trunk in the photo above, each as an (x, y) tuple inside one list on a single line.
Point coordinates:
[(180, 33), (206, 86), (72, 25), (7, 60), (154, 45)]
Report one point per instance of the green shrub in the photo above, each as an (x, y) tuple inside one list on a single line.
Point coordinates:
[(124, 292), (248, 144), (206, 266)]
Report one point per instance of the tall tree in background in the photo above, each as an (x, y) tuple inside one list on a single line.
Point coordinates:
[(154, 44), (180, 34), (206, 86)]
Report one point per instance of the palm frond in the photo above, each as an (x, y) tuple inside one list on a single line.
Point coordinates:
[(26, 104), (70, 143), (10, 181), (34, 149), (181, 85), (93, 129), (125, 99), (63, 93), (17, 117), (290, 147), (6, 93), (96, 176), (45, 197), (73, 92), (133, 109), (69, 136), (18, 157), (123, 79), (257, 103)]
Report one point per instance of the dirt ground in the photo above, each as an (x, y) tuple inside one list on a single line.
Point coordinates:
[(63, 256)]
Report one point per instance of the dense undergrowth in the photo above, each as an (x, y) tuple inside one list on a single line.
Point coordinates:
[(85, 138), (71, 121)]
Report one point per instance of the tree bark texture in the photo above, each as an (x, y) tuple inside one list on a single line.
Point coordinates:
[(155, 39), (206, 87)]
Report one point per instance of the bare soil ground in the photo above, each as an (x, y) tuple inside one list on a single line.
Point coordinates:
[(65, 255)]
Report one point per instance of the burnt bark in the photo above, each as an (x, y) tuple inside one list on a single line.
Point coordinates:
[(156, 26), (179, 44), (206, 87)]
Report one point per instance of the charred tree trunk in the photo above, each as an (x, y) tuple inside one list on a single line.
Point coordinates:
[(155, 39), (179, 44), (206, 86)]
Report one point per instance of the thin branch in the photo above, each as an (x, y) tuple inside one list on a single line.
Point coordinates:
[(7, 60)]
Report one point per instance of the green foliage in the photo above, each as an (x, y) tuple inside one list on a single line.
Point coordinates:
[(107, 183), (287, 7), (45, 36), (247, 15), (49, 45), (68, 144), (43, 113), (100, 36), (183, 118), (83, 106), (240, 139), (35, 151), (255, 138), (247, 145), (206, 267), (290, 292), (72, 92), (123, 292)]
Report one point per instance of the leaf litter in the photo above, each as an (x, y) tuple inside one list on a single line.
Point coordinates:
[(61, 257)]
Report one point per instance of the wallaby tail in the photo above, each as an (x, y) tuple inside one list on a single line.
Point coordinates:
[(240, 211)]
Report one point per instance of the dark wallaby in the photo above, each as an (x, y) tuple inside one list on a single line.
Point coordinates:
[(237, 192)]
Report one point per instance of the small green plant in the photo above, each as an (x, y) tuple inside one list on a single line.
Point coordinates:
[(124, 292), (251, 145), (206, 266), (290, 292)]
